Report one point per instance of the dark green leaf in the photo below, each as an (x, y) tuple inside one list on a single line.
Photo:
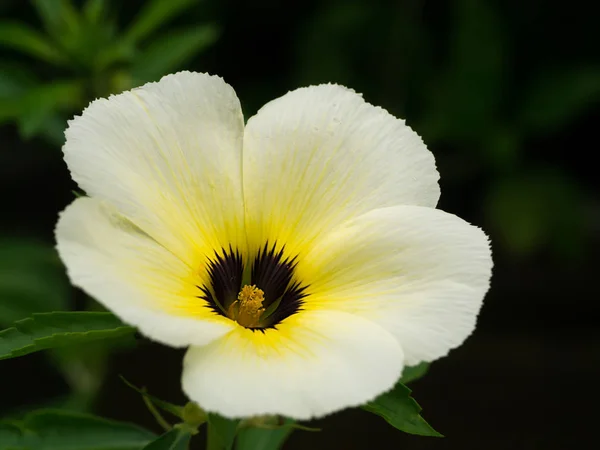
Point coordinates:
[(31, 279), (57, 14), (467, 94), (58, 329), (401, 411), (94, 10), (171, 51), (541, 209), (40, 105), (155, 14), (254, 438), (413, 373), (222, 431), (176, 439), (24, 38), (556, 97), (60, 430), (14, 79)]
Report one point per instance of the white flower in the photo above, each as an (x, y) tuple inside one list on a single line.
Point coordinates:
[(300, 257)]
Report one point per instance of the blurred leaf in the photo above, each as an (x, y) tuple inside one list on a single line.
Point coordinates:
[(254, 438), (155, 14), (31, 279), (115, 52), (557, 97), (60, 430), (94, 10), (38, 107), (56, 15), (57, 329), (176, 439), (222, 431), (171, 51), (325, 47), (53, 130), (26, 39), (465, 99), (14, 79), (401, 411), (413, 373), (537, 210)]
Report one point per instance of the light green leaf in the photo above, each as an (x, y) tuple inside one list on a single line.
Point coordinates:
[(401, 411), (556, 97), (22, 37), (58, 329), (176, 439), (254, 438), (410, 374), (155, 14), (31, 279), (171, 51), (61, 430), (222, 432)]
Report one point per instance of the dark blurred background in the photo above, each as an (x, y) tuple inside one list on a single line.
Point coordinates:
[(506, 95)]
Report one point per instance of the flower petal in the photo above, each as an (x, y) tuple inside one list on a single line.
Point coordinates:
[(134, 276), (321, 155), (167, 155), (313, 364), (418, 272)]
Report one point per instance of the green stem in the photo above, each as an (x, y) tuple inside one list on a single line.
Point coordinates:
[(213, 440), (156, 413)]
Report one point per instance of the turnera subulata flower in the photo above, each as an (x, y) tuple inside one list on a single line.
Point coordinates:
[(300, 256)]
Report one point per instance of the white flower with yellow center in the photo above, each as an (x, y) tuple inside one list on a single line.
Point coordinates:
[(299, 256)]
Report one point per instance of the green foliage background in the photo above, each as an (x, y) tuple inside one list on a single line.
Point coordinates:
[(504, 93)]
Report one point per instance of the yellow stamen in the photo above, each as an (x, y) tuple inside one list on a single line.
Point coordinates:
[(247, 309)]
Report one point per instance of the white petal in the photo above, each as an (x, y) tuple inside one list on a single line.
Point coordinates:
[(321, 155), (315, 363), (133, 276), (419, 272), (168, 156)]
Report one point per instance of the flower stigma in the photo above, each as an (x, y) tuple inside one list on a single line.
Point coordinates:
[(248, 307)]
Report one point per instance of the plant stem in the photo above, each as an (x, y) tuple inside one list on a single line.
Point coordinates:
[(213, 440)]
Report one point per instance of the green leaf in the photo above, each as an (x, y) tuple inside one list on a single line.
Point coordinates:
[(254, 438), (21, 37), (466, 97), (94, 10), (556, 97), (38, 107), (61, 430), (537, 210), (155, 14), (222, 432), (171, 51), (14, 79), (176, 439), (410, 374), (401, 411), (31, 279), (58, 329), (56, 15)]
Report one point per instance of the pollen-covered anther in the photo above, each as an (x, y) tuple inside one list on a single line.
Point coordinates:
[(248, 307)]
